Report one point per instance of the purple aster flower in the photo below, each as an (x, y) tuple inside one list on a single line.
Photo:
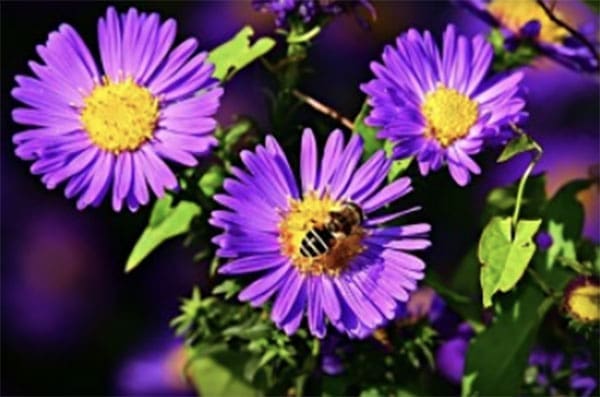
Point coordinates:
[(527, 20), (437, 106), (115, 129), (156, 368), (307, 10), (322, 247)]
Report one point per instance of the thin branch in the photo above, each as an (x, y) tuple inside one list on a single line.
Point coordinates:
[(326, 110), (540, 282), (574, 32), (521, 189)]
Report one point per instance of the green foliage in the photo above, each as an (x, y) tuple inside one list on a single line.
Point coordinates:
[(505, 59), (212, 180), (520, 144), (402, 365), (398, 167), (461, 294), (237, 53), (240, 135), (497, 357), (166, 221), (373, 144), (251, 355), (504, 256), (221, 373), (369, 134), (501, 201)]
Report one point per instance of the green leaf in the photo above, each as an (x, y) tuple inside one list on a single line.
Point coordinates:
[(504, 258), (222, 374), (212, 180), (466, 306), (228, 288), (505, 59), (238, 52), (466, 388), (564, 208), (519, 144), (497, 357), (165, 222), (565, 216), (502, 200), (373, 144), (369, 134), (398, 167)]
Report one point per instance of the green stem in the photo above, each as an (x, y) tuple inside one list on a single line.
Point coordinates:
[(540, 282), (536, 157)]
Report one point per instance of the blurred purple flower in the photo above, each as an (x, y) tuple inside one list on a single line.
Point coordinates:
[(115, 129), (543, 240), (450, 358), (526, 20), (307, 10), (155, 369), (332, 349), (55, 283), (442, 110), (268, 218), (549, 364)]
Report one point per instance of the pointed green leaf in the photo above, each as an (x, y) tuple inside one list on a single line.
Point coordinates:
[(373, 144), (497, 357), (519, 144), (222, 374), (212, 180), (398, 167), (504, 258), (165, 222), (369, 134), (238, 52)]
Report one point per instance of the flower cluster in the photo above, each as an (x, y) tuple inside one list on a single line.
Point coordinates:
[(307, 10), (319, 242)]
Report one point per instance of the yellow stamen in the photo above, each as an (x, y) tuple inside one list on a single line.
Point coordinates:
[(309, 213), (449, 115), (120, 116), (515, 13), (584, 303)]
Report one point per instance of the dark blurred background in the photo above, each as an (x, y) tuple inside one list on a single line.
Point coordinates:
[(74, 324)]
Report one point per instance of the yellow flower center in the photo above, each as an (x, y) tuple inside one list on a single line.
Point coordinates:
[(120, 116), (313, 213), (584, 303), (449, 115), (515, 13)]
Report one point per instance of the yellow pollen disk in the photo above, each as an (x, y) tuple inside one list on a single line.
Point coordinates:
[(120, 116), (305, 215), (449, 115), (515, 13), (584, 303)]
